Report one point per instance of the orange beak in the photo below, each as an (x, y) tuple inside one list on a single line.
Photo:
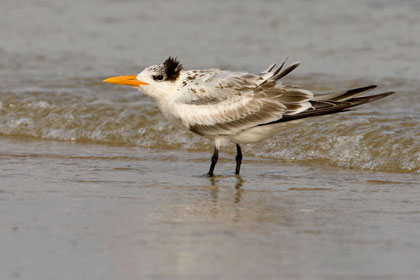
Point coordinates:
[(126, 80)]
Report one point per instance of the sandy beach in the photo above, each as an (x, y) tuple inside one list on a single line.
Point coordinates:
[(89, 212), (96, 184)]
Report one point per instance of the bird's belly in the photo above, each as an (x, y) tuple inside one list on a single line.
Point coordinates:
[(259, 133)]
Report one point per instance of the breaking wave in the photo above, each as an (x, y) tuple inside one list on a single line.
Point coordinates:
[(368, 139)]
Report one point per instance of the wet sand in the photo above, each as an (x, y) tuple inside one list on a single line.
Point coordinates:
[(71, 211), (96, 184)]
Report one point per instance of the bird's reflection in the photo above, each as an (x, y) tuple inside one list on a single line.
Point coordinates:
[(239, 182), (215, 182), (238, 187)]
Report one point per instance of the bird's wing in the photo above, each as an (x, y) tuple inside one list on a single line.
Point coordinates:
[(224, 103), (212, 84), (218, 84)]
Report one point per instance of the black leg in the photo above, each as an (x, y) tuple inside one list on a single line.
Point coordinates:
[(238, 159), (214, 159)]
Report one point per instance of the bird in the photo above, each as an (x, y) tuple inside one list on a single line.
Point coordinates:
[(236, 107)]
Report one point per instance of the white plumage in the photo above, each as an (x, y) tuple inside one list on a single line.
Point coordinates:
[(235, 107)]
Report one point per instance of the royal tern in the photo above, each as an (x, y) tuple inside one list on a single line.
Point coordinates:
[(235, 107)]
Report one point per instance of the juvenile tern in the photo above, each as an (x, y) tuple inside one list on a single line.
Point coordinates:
[(236, 107)]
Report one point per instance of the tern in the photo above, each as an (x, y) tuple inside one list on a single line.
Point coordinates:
[(236, 107)]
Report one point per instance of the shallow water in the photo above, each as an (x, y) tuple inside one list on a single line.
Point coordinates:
[(94, 178), (86, 211)]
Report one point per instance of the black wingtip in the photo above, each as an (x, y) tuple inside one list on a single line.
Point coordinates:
[(353, 92), (364, 88), (370, 98), (335, 107)]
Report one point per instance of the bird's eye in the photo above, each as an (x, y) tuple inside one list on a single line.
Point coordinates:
[(158, 77)]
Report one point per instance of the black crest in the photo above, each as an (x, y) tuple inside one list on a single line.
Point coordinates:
[(172, 68)]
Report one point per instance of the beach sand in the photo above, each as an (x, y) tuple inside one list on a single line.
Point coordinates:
[(71, 211), (96, 184)]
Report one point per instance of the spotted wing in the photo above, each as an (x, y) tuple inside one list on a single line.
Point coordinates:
[(225, 103)]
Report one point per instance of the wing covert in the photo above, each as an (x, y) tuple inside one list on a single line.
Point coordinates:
[(216, 102)]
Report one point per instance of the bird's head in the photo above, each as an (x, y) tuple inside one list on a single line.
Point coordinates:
[(156, 80)]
